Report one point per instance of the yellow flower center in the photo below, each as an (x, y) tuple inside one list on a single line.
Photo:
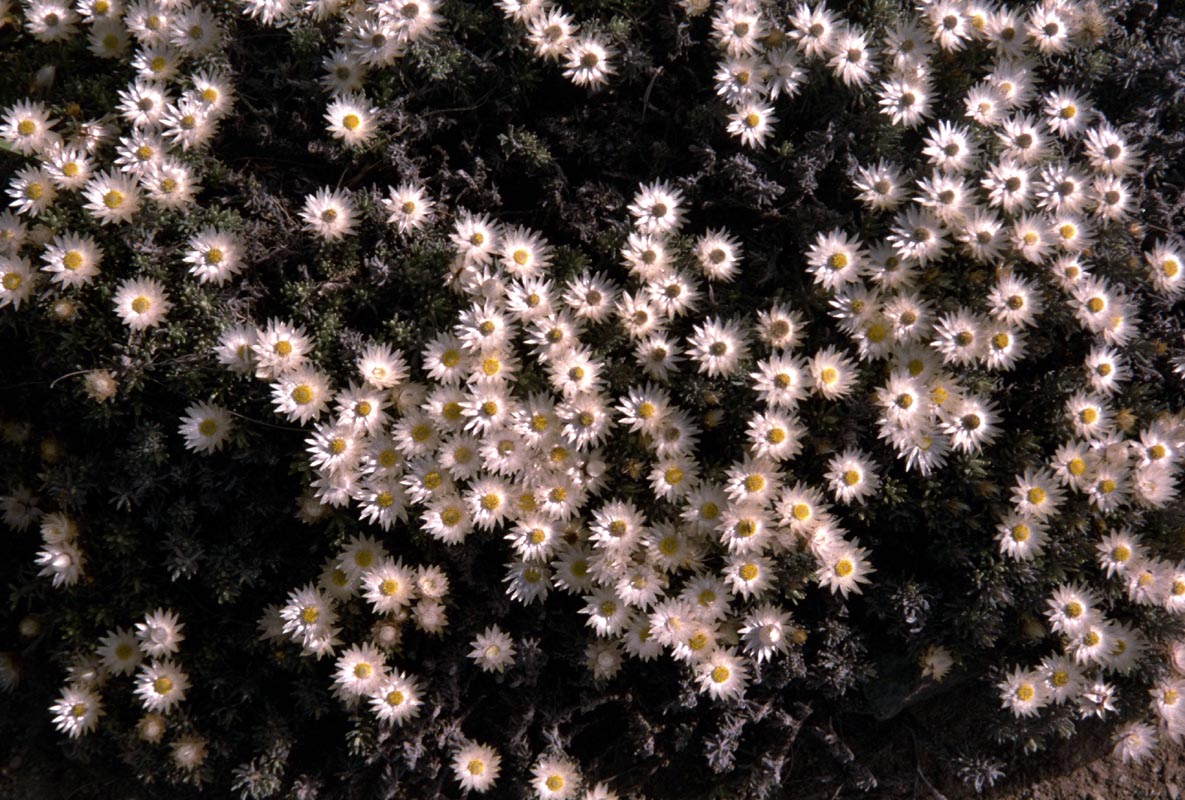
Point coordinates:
[(207, 427), (1036, 495), (1025, 692), (362, 670), (162, 685), (302, 394), (851, 477), (309, 615), (709, 511), (1106, 486), (775, 435), (837, 261), (669, 545), (1074, 609), (698, 642), (556, 782), (26, 127), (1095, 304), (673, 476), (1021, 532), (844, 568), (34, 191), (113, 199), (754, 483), (491, 501), (72, 260), (395, 698), (801, 512), (388, 587), (78, 710), (476, 767), (830, 375), (141, 304), (752, 120), (1060, 678), (1077, 467), (351, 122), (71, 169), (1089, 416), (749, 572), (720, 674), (1121, 553)]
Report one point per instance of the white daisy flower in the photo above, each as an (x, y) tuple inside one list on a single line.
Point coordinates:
[(205, 427), (1023, 692), (77, 710), (718, 347), (301, 395), (492, 650), (72, 260), (161, 685), (141, 303), (112, 197), (843, 566), (27, 127), (215, 256), (476, 766), (360, 670), (752, 123), (588, 62), (351, 119), (656, 208), (396, 699), (330, 213), (852, 476), (723, 675)]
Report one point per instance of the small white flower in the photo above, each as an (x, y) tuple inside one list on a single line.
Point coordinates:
[(77, 710), (141, 303), (351, 118), (205, 427), (330, 213), (492, 650)]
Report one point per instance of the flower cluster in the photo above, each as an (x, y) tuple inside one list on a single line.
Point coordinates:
[(160, 684), (684, 455), (555, 36)]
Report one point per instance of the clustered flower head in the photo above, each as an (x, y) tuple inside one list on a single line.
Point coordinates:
[(461, 453), (159, 683)]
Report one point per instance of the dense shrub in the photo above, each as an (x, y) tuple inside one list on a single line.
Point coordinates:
[(894, 482)]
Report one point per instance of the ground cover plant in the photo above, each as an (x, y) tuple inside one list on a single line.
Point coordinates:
[(587, 400)]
